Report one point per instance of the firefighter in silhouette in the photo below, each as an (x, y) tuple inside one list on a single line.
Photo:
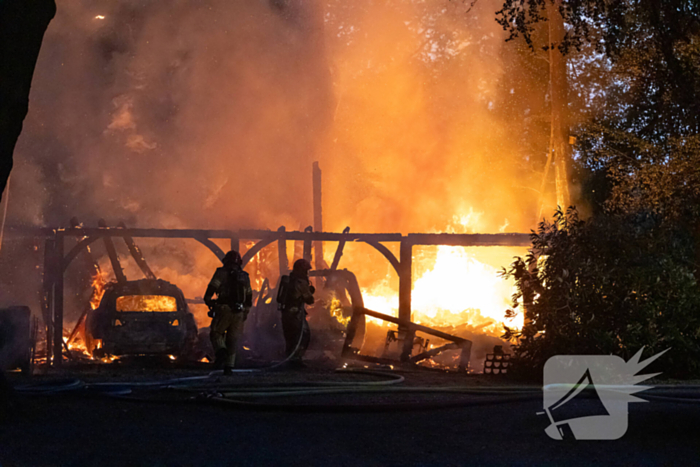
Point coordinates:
[(295, 294), (229, 310)]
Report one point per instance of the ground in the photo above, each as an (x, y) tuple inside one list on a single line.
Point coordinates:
[(176, 427)]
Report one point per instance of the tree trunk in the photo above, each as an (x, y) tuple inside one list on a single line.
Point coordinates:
[(559, 144), (22, 27)]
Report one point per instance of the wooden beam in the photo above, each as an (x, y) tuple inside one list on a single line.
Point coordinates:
[(112, 253), (500, 239), (412, 326), (494, 239), (433, 352), (339, 250)]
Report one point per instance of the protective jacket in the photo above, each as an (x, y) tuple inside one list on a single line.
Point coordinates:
[(232, 287), (300, 293)]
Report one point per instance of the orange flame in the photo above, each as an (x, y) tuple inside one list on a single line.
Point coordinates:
[(452, 287)]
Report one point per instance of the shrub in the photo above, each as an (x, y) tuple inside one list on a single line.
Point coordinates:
[(608, 285)]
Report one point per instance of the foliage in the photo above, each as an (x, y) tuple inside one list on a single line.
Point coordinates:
[(608, 285)]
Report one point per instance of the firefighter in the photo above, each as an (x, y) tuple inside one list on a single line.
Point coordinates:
[(296, 330), (229, 310)]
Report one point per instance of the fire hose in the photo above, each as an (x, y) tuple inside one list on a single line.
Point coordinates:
[(125, 388), (248, 397)]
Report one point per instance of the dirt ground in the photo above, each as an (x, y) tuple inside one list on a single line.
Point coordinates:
[(185, 422)]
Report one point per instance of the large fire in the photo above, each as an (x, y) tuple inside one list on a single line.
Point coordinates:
[(456, 290), (454, 286), (407, 107)]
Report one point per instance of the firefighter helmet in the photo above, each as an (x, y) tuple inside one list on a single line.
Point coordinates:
[(232, 258), (302, 265)]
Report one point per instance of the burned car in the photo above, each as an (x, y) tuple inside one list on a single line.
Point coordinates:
[(144, 317)]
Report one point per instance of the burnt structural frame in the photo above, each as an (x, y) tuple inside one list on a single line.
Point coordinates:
[(56, 261)]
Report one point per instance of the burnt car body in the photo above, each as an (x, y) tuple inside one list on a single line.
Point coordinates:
[(144, 317)]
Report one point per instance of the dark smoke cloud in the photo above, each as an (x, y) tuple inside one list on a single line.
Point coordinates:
[(176, 114)]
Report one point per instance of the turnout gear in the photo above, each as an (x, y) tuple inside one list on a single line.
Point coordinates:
[(298, 293), (283, 292), (226, 329), (234, 297)]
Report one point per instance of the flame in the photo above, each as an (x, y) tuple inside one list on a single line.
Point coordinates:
[(147, 303), (99, 280), (77, 345), (461, 290), (451, 287), (109, 358), (335, 307)]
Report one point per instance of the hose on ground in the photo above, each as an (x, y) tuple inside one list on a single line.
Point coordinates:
[(391, 407), (180, 381), (62, 386), (55, 387)]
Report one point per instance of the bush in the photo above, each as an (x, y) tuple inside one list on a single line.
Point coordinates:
[(609, 285)]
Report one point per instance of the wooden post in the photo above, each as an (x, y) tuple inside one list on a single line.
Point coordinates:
[(405, 279), (282, 252), (58, 301), (318, 215), (307, 244), (405, 282), (406, 337), (47, 294)]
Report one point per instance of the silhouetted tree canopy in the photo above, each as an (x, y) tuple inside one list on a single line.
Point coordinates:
[(628, 276), (608, 285)]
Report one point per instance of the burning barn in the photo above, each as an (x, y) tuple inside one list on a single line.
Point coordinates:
[(205, 136), (151, 316)]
